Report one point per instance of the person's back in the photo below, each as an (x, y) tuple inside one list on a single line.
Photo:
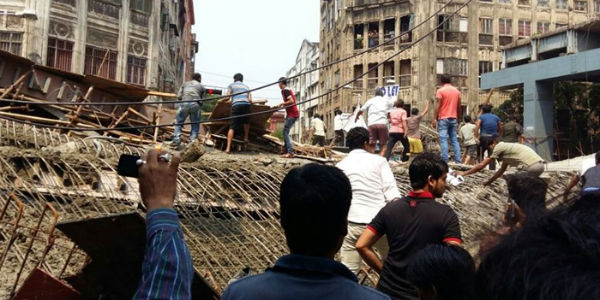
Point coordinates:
[(240, 92), (449, 97), (378, 108), (511, 131), (397, 116), (489, 124), (192, 90), (467, 134), (319, 126), (413, 124), (319, 278), (591, 180), (314, 203)]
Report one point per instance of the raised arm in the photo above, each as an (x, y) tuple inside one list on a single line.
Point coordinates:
[(477, 167), (477, 129), (424, 113), (497, 174)]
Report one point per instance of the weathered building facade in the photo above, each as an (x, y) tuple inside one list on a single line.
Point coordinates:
[(142, 42), (466, 46), (305, 87)]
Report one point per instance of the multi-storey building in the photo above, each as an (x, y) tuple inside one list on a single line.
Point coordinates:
[(142, 42), (466, 46), (305, 87)]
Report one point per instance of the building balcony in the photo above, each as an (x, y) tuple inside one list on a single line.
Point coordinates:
[(139, 18), (104, 8)]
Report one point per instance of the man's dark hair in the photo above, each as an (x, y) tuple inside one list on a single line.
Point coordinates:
[(197, 77), (379, 92), (495, 138), (314, 202), (238, 77), (529, 192), (357, 137), (283, 80), (414, 111), (447, 269), (468, 119), (338, 112), (555, 257), (445, 79), (399, 103), (598, 158), (486, 109), (425, 165)]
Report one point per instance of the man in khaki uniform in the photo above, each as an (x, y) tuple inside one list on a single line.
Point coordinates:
[(510, 154)]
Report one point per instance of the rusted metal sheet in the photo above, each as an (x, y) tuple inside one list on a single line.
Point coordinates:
[(40, 285)]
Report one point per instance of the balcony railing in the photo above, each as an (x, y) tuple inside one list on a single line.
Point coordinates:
[(68, 2), (104, 8), (486, 40), (139, 18), (405, 80), (372, 83), (451, 37)]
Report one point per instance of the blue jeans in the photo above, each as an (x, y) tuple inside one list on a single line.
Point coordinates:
[(289, 122), (448, 127), (191, 109)]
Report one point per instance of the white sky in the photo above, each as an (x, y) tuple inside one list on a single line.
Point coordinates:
[(258, 38)]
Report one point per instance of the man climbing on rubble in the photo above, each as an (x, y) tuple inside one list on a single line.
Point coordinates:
[(447, 114), (317, 131), (241, 101), (413, 129), (292, 114), (373, 185), (510, 154), (488, 126), (338, 127), (314, 202), (193, 92), (589, 177), (410, 224), (378, 108)]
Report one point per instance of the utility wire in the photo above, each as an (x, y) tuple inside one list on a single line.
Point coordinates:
[(130, 103), (446, 19)]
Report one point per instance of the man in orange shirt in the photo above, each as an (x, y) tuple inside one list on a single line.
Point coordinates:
[(447, 112)]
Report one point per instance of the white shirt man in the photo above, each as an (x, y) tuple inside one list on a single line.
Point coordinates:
[(318, 126), (337, 123), (373, 185), (378, 108)]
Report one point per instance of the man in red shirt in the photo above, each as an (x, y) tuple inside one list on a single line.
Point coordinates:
[(447, 112), (292, 114)]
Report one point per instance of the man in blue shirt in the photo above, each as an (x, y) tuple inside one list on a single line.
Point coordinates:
[(241, 101), (488, 125), (314, 203)]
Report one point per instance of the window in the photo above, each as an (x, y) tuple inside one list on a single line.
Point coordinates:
[(581, 5), (524, 28), (543, 27), (358, 84), (505, 1), (406, 36), (389, 29), (450, 30), (60, 54), (388, 73), (524, 2), (373, 76), (141, 5), (505, 26), (485, 67), (485, 32), (405, 72), (543, 3), (597, 5), (452, 66), (373, 34), (11, 42), (359, 42), (136, 70), (561, 4), (439, 66), (100, 62)]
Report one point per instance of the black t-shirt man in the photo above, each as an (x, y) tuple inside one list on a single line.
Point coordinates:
[(410, 224)]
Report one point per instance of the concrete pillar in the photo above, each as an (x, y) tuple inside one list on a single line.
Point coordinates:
[(123, 41), (80, 33), (538, 112), (473, 53)]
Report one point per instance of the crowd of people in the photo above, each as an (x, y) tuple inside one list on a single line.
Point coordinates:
[(412, 241), (336, 218)]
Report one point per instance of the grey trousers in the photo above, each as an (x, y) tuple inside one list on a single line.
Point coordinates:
[(349, 255), (534, 169)]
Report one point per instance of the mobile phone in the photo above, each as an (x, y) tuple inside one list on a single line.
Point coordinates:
[(128, 166)]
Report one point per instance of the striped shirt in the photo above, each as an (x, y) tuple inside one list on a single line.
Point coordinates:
[(167, 269), (239, 87)]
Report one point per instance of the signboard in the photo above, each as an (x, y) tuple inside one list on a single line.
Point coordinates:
[(391, 92)]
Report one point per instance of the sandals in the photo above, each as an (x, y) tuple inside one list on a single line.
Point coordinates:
[(288, 155)]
